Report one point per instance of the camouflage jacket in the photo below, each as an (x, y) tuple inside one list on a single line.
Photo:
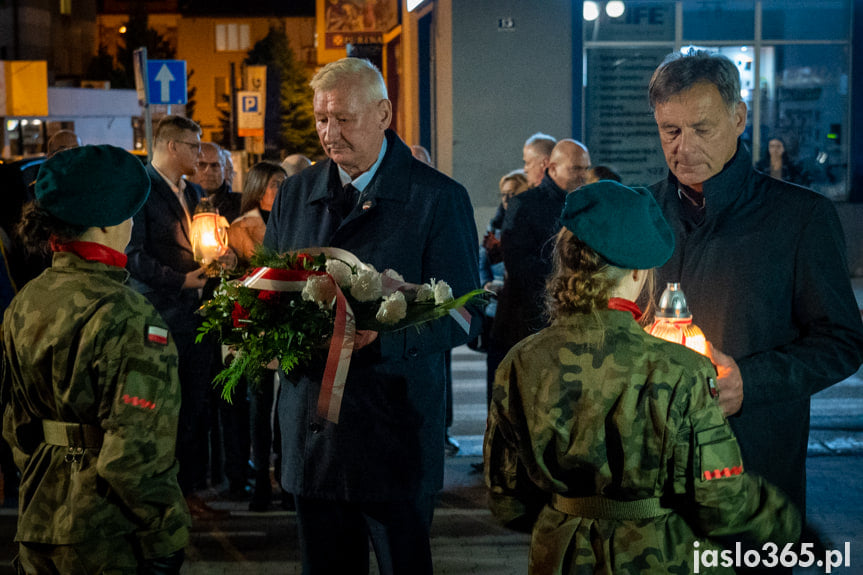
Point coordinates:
[(593, 405), (81, 347)]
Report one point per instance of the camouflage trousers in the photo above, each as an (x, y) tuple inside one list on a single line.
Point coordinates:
[(108, 556)]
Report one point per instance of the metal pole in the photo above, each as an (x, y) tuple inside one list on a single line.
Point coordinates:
[(140, 61), (233, 122)]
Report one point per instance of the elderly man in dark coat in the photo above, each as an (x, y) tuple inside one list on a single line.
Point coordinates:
[(762, 263), (374, 473)]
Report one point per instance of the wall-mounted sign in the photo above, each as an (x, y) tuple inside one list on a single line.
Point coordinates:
[(250, 114), (358, 21)]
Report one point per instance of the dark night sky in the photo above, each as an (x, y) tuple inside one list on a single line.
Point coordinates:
[(250, 8)]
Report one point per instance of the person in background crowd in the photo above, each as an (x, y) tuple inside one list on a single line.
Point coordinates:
[(762, 263), (450, 445), (163, 268), (62, 140), (491, 268), (211, 175), (230, 172), (247, 231), (596, 173), (8, 287), (536, 154), (605, 441), (244, 236), (778, 164), (228, 422), (532, 220), (375, 474), (421, 154), (91, 389), (295, 163)]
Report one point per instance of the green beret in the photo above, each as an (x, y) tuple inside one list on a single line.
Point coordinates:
[(92, 186), (623, 225)]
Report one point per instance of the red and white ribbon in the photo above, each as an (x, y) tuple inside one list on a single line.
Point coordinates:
[(341, 344)]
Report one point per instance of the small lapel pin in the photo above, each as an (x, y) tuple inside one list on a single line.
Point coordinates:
[(367, 204)]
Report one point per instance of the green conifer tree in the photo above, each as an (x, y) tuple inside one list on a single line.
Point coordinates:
[(296, 133)]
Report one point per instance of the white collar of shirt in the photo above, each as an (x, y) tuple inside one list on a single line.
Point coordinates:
[(174, 187), (362, 181)]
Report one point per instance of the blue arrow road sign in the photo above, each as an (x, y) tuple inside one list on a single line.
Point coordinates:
[(166, 81)]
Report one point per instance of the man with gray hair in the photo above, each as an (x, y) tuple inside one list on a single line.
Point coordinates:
[(295, 163), (375, 473), (536, 154), (211, 175), (762, 264)]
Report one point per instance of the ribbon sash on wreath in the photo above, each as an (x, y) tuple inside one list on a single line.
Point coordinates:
[(341, 344)]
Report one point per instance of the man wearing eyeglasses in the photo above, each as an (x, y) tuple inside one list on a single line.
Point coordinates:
[(212, 176), (163, 268)]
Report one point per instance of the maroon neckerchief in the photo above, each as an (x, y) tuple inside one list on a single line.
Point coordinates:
[(93, 252), (620, 304)]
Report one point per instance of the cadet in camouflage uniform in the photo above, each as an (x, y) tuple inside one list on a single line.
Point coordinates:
[(604, 440), (90, 385)]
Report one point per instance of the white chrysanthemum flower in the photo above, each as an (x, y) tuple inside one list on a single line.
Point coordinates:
[(425, 293), (442, 293), (340, 271), (392, 274), (320, 290), (366, 284), (393, 309)]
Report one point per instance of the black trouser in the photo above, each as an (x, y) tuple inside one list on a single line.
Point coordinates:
[(195, 369), (234, 428), (261, 398), (334, 536)]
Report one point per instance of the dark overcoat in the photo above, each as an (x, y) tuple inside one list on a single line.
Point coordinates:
[(529, 227), (160, 253), (766, 278), (388, 444)]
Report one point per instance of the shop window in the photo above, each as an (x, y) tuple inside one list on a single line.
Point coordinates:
[(714, 21), (620, 130), (824, 20), (804, 103), (24, 137)]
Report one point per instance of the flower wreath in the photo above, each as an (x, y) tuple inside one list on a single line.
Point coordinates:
[(292, 305)]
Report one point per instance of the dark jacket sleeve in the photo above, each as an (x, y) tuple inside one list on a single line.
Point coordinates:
[(143, 266), (526, 269), (450, 255), (830, 343)]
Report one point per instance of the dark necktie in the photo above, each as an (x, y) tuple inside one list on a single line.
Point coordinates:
[(348, 199)]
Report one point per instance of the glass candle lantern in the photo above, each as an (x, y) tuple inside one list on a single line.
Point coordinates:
[(673, 321), (209, 233)]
